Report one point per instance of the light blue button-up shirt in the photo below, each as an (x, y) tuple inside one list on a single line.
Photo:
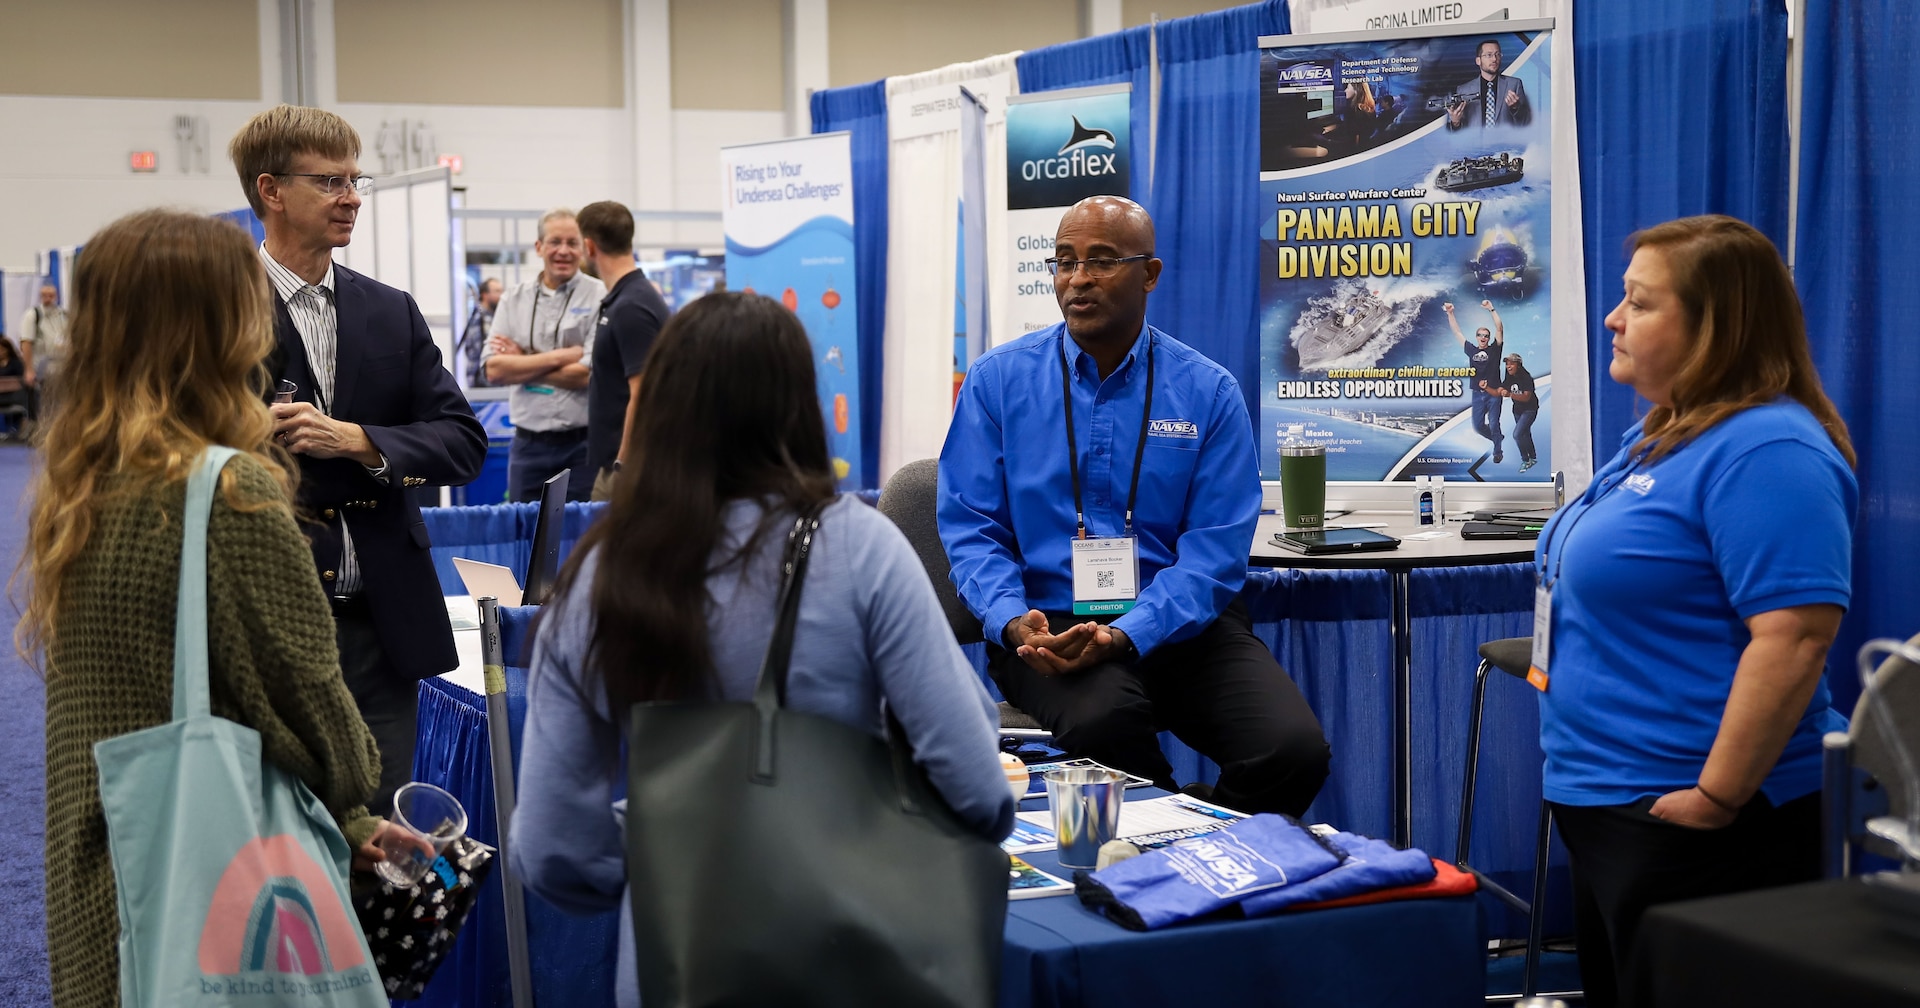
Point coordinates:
[(1006, 495)]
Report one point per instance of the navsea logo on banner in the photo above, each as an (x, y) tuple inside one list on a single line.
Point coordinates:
[(1307, 75)]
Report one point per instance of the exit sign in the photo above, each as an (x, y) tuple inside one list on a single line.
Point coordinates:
[(143, 161)]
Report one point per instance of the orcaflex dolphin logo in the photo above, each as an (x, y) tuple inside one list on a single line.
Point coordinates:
[(1078, 157), (1084, 137)]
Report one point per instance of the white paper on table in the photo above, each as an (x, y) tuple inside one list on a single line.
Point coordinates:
[(1164, 814)]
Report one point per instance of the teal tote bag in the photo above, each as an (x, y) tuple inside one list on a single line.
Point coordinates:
[(232, 877)]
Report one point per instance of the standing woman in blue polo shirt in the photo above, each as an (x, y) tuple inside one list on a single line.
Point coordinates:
[(1694, 589)]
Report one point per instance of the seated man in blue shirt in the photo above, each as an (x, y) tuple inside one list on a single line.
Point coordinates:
[(1148, 528)]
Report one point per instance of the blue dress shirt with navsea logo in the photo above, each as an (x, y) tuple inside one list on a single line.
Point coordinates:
[(1006, 495)]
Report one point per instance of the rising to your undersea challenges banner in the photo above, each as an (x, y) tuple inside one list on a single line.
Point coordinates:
[(1404, 255), (788, 217)]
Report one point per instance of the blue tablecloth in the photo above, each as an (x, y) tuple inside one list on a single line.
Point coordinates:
[(1429, 953)]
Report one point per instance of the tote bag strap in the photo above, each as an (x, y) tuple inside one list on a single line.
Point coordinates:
[(190, 691), (770, 693)]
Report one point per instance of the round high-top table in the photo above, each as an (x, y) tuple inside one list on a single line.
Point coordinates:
[(1420, 546)]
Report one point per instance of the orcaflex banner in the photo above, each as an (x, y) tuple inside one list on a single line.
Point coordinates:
[(1404, 251), (788, 217), (1062, 146)]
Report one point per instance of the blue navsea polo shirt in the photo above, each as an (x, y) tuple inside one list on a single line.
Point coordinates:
[(1006, 494), (1658, 566)]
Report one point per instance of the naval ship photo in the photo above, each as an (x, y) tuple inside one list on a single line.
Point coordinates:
[(1344, 329), (1464, 174)]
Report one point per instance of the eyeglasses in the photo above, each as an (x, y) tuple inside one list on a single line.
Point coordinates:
[(336, 185), (1098, 268)]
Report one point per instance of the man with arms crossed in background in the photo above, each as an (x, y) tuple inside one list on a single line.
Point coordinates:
[(43, 341), (630, 317), (374, 414), (1044, 519), (539, 345)]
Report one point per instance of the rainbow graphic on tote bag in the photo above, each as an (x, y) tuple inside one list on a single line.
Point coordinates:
[(275, 909)]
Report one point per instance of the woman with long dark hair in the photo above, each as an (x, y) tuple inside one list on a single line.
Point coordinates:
[(670, 596)]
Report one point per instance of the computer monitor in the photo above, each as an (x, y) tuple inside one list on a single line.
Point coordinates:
[(544, 566)]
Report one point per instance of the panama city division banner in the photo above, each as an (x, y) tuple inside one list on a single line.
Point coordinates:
[(1062, 146), (788, 218), (1405, 261)]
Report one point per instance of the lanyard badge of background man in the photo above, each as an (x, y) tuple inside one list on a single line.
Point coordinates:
[(1106, 572), (533, 320)]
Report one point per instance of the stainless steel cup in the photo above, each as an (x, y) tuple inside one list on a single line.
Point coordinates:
[(1086, 811)]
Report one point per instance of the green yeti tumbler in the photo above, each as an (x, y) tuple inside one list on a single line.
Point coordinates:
[(1303, 483)]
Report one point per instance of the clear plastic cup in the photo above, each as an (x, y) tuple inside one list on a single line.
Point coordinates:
[(425, 820)]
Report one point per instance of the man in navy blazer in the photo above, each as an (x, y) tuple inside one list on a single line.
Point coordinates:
[(1496, 99), (370, 414)]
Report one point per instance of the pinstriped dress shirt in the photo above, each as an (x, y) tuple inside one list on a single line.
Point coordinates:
[(312, 309)]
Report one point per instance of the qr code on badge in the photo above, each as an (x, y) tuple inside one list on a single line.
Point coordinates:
[(1103, 579)]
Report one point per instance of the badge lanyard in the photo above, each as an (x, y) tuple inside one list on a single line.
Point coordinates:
[(1537, 671), (1073, 446), (533, 318)]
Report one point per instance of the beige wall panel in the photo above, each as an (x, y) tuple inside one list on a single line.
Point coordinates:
[(481, 52), (113, 49), (727, 54), (868, 39), (1139, 12)]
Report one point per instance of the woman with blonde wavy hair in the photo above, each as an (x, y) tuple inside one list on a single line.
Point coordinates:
[(171, 324)]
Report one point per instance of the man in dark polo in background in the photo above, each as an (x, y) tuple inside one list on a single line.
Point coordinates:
[(375, 414), (630, 317), (1053, 426)]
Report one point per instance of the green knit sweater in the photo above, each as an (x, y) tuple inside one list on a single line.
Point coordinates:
[(274, 667)]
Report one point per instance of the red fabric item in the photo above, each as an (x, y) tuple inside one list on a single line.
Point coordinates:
[(1447, 881)]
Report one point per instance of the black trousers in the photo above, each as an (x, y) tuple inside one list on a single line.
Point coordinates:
[(1220, 692), (536, 455), (388, 701), (1625, 861)]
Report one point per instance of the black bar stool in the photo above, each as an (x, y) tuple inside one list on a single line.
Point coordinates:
[(1513, 656)]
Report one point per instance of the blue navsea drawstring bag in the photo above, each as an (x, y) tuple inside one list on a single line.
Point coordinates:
[(231, 875), (1198, 875), (1369, 865)]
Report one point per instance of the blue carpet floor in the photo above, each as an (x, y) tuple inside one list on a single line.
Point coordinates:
[(23, 941)]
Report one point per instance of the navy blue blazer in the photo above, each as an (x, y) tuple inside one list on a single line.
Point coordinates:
[(388, 378)]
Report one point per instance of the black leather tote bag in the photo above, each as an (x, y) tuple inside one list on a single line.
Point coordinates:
[(776, 857)]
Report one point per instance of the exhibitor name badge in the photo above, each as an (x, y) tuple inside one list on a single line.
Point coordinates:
[(1106, 576)]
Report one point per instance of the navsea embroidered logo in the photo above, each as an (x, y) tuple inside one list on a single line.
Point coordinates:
[(1639, 483), (1079, 157), (1186, 429)]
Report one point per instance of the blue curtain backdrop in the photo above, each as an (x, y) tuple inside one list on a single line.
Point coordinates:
[(1857, 243), (1124, 57), (862, 110), (1683, 111), (1206, 185)]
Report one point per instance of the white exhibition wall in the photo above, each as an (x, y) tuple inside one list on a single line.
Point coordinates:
[(71, 155)]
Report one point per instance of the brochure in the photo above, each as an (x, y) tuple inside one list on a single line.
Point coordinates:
[(1030, 836), (1037, 774), (1024, 881)]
